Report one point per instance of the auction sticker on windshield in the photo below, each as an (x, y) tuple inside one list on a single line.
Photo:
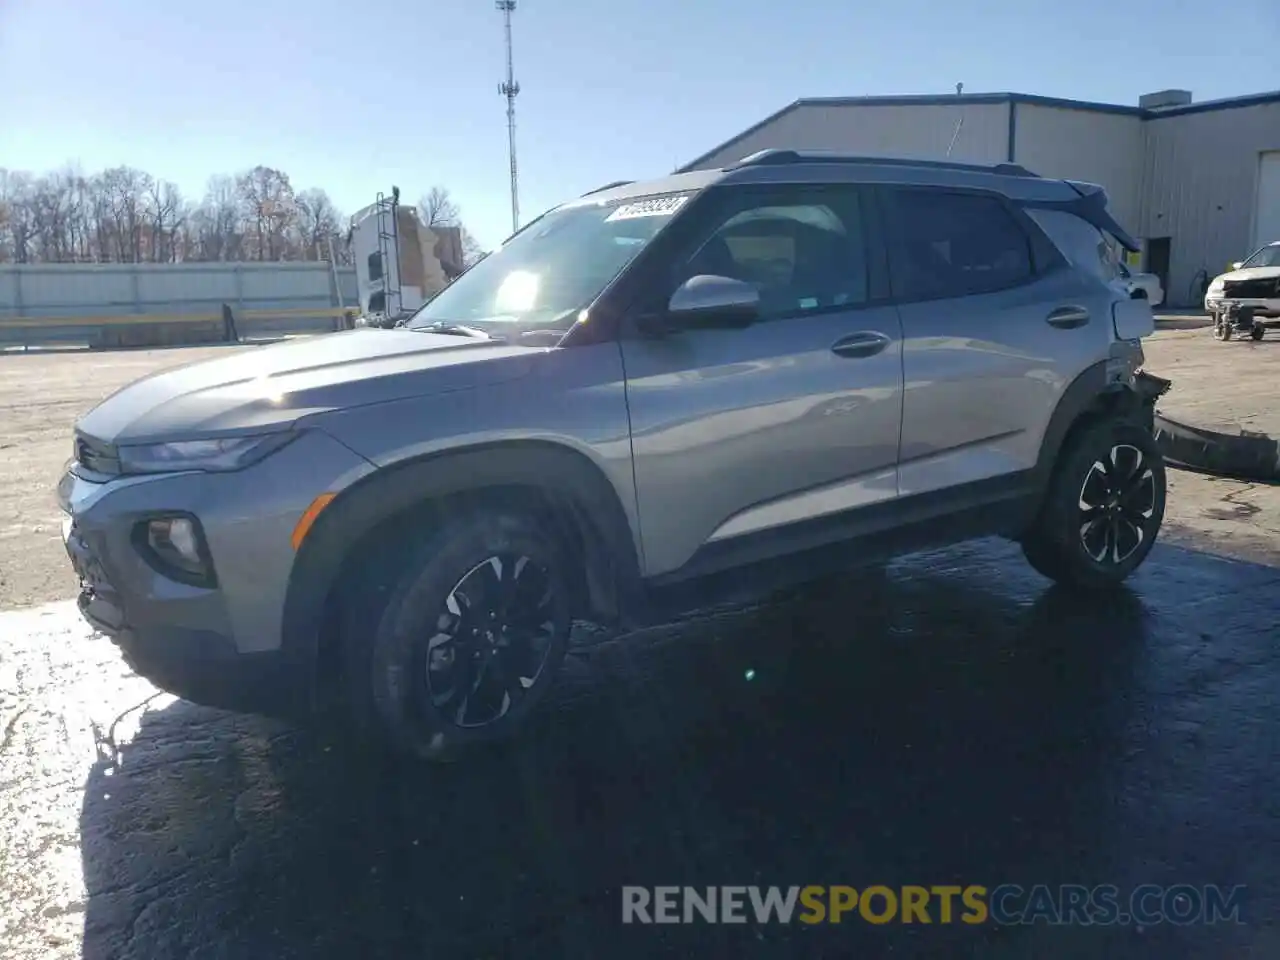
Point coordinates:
[(655, 207)]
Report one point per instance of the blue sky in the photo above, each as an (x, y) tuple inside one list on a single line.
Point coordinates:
[(354, 97)]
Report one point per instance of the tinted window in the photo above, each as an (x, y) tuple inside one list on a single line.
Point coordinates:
[(955, 244), (803, 250)]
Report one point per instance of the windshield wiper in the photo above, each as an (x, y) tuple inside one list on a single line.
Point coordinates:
[(453, 330)]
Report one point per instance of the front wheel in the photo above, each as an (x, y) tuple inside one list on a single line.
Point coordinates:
[(472, 637), (1104, 507)]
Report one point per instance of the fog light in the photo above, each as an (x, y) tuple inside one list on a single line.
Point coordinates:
[(175, 547)]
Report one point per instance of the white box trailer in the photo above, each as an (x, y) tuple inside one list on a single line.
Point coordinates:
[(400, 262)]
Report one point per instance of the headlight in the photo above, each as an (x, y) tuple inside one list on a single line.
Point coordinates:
[(231, 453), (1217, 285)]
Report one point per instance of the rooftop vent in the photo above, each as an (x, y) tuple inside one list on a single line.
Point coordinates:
[(1164, 98)]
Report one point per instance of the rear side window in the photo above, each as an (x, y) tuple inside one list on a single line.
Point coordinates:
[(955, 245), (1083, 244)]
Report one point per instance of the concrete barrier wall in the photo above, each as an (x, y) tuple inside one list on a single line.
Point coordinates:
[(75, 303)]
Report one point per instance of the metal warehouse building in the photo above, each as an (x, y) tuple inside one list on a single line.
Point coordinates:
[(1199, 183)]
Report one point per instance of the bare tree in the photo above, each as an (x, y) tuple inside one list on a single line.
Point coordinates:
[(472, 252), (269, 205), (123, 194), (218, 223), (165, 212), (127, 215), (318, 222), (17, 190), (437, 209)]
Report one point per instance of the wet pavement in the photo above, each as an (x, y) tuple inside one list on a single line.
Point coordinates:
[(954, 721)]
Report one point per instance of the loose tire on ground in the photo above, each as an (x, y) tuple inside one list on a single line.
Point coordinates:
[(1104, 507), (1233, 453), (464, 604)]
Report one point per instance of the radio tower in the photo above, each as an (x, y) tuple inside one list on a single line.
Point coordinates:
[(509, 90)]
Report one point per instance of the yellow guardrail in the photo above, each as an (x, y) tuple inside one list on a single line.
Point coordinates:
[(115, 320)]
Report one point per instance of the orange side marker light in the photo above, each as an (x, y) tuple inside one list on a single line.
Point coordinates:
[(308, 518)]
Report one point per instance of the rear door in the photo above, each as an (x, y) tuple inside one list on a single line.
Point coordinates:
[(742, 438), (995, 327)]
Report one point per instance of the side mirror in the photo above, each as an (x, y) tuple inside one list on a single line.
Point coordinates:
[(1237, 264), (712, 301)]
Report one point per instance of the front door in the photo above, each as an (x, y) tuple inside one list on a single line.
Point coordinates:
[(738, 435)]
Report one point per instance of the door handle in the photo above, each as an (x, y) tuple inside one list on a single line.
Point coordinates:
[(865, 343), (1068, 318)]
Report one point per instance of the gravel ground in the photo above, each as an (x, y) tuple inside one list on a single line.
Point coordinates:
[(41, 396)]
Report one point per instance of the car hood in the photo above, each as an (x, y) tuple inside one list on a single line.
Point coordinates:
[(1251, 273), (265, 388)]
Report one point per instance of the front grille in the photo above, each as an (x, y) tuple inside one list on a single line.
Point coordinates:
[(96, 455), (1252, 289)]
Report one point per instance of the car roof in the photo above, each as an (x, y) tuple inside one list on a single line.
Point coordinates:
[(794, 166)]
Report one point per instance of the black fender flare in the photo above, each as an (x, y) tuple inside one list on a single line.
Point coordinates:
[(1093, 392), (569, 478)]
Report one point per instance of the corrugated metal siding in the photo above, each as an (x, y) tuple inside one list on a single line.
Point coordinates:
[(1201, 187), (913, 131), (1102, 148), (1266, 221)]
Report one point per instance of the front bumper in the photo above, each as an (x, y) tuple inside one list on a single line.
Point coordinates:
[(220, 645), (1260, 307)]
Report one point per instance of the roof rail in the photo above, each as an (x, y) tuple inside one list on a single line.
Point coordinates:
[(775, 157), (608, 186)]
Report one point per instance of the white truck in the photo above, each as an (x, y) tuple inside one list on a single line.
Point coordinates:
[(400, 262)]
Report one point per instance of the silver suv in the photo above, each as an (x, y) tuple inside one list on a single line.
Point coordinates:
[(654, 397)]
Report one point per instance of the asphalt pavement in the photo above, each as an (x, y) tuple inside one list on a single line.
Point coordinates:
[(954, 721)]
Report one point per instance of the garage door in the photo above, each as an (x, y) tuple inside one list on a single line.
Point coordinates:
[(1268, 218)]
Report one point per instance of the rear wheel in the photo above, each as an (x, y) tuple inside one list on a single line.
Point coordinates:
[(1104, 507), (471, 638)]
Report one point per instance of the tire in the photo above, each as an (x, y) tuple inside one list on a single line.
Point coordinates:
[(1067, 546), (486, 595), (1258, 331), (1222, 330)]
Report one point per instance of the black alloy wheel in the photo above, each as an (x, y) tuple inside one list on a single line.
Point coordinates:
[(1117, 505), (469, 631), (1104, 507), (491, 642)]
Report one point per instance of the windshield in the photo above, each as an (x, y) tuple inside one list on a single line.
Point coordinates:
[(547, 273), (1268, 256)]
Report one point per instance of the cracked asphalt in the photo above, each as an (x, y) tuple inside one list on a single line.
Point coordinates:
[(956, 720)]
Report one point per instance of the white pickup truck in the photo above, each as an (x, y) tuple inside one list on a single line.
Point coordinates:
[(1253, 283)]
